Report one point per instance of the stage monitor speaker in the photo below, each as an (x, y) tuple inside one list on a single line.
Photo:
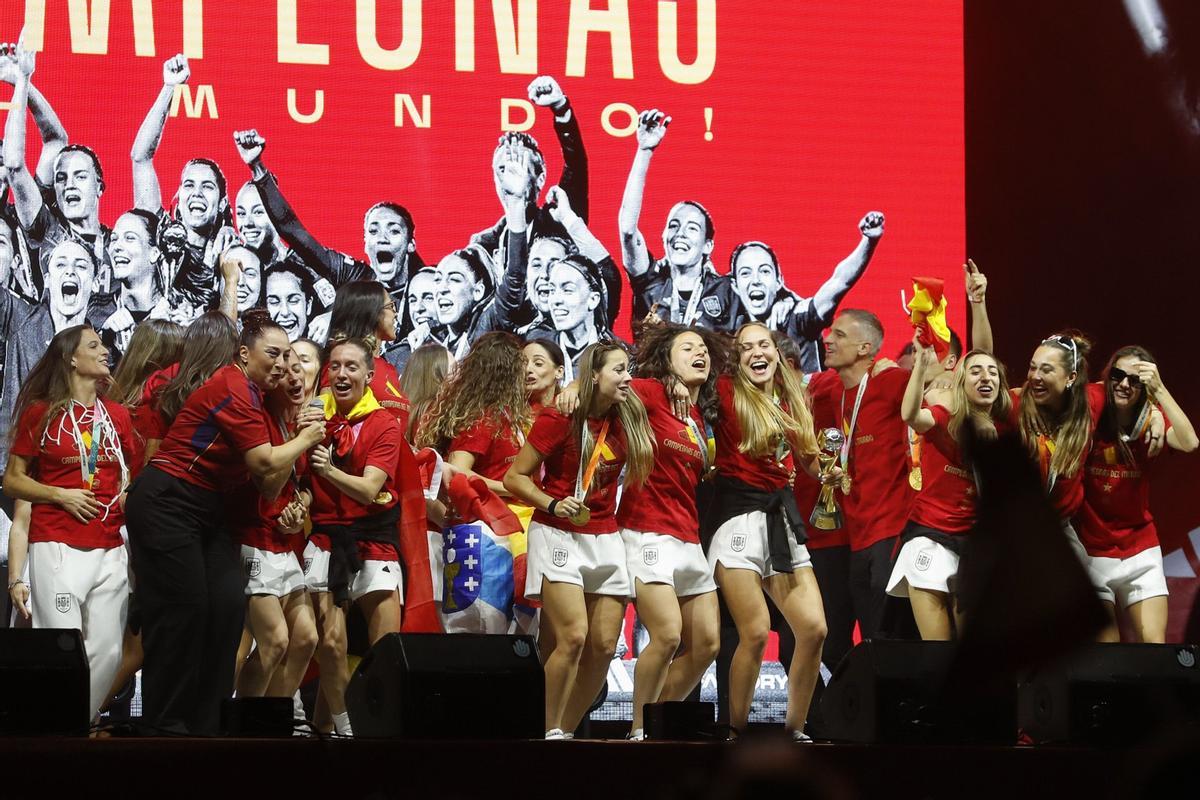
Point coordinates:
[(257, 717), (449, 686), (892, 692), (680, 721), (44, 682), (1112, 694)]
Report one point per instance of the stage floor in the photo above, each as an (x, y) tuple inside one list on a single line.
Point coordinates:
[(764, 768)]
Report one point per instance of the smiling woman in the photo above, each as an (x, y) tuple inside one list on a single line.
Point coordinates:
[(289, 292)]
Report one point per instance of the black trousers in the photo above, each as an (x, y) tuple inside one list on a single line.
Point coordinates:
[(192, 596), (831, 567), (870, 569)]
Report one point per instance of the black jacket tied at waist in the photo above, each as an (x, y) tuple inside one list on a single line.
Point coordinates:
[(343, 546), (733, 498)]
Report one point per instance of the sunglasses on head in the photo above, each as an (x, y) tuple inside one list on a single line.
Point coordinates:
[(1068, 344), (1116, 375)]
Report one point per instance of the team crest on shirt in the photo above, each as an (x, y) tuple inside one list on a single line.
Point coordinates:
[(924, 560), (253, 567), (62, 602), (738, 543), (558, 556), (650, 556), (711, 305), (307, 565)]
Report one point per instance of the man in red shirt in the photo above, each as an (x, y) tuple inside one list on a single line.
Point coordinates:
[(866, 408)]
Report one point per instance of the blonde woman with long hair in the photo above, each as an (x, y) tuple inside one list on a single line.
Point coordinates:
[(944, 512), (576, 556), (764, 432)]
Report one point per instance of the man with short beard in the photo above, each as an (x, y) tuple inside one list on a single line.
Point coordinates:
[(388, 235), (78, 181), (762, 296), (139, 295)]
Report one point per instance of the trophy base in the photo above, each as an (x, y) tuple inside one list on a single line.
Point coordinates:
[(825, 522)]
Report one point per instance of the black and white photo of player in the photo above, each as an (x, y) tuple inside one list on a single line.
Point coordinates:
[(138, 274), (200, 206), (250, 292), (683, 286), (762, 295), (255, 227), (519, 175), (578, 308), (389, 237), (463, 289), (74, 170), (422, 321), (289, 292)]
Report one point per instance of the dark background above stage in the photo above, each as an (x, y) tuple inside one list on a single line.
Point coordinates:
[(1083, 195)]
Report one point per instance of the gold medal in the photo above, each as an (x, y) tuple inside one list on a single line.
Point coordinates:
[(846, 483), (914, 479), (581, 516)]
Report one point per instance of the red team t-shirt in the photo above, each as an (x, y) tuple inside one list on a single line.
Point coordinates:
[(1066, 495), (495, 447), (222, 420), (948, 495), (762, 472), (1114, 520), (666, 503), (54, 460), (552, 437), (377, 439), (808, 490), (880, 498)]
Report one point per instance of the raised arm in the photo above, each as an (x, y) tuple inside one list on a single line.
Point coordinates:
[(652, 127), (545, 91), (510, 293), (847, 273), (54, 135), (147, 193), (915, 416), (1181, 435), (981, 326), (26, 195)]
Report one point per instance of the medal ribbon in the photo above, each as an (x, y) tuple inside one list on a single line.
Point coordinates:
[(583, 478), (849, 431), (1045, 458)]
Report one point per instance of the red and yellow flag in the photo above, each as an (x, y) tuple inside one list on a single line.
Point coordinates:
[(928, 310)]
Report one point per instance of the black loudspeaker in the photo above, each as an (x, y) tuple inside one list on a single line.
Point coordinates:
[(1112, 694), (449, 686), (681, 721), (44, 682), (266, 717), (893, 692)]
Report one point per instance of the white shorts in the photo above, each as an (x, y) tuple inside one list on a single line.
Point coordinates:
[(275, 574), (316, 568), (1129, 580), (658, 558), (593, 561), (377, 576), (741, 543), (923, 564)]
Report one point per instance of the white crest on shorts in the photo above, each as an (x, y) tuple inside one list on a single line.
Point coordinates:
[(558, 556), (307, 565), (924, 560), (62, 601), (253, 567), (650, 555), (738, 543)]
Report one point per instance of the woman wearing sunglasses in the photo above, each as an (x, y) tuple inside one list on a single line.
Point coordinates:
[(1123, 556)]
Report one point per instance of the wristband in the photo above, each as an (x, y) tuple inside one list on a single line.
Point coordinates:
[(11, 584), (549, 509)]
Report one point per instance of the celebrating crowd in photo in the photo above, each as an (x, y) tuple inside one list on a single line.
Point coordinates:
[(221, 439)]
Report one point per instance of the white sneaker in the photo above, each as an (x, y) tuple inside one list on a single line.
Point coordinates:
[(555, 734), (638, 735), (569, 735), (801, 737)]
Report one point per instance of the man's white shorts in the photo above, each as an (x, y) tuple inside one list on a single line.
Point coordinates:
[(741, 543), (1126, 581), (658, 558), (923, 564), (593, 561), (275, 574)]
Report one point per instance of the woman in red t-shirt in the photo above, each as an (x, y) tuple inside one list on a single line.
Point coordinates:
[(364, 310), (926, 567), (1053, 416), (70, 455), (1115, 525), (576, 563), (270, 518), (764, 428), (189, 579), (673, 586), (155, 345), (423, 376)]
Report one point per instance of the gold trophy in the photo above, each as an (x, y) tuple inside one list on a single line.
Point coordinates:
[(826, 515)]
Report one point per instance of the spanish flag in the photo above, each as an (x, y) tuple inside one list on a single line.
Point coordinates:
[(928, 309)]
